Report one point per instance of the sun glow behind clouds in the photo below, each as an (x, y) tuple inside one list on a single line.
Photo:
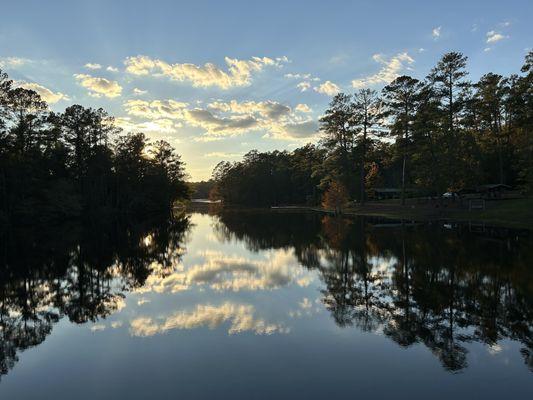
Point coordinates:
[(241, 64)]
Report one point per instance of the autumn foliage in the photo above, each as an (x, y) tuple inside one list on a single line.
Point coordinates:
[(335, 198)]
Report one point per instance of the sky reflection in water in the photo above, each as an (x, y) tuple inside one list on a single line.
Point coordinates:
[(264, 304)]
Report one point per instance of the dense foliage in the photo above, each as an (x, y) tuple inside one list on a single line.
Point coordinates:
[(440, 134), (57, 165)]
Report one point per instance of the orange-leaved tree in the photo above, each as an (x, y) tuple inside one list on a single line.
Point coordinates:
[(335, 198)]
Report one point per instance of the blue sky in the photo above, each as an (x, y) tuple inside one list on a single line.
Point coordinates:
[(218, 78)]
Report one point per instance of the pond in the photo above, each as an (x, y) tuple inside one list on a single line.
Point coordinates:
[(263, 304)]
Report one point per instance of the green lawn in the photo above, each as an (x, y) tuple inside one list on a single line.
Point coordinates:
[(516, 212), (512, 213)]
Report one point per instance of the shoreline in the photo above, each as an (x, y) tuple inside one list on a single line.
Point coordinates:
[(510, 213), (517, 213)]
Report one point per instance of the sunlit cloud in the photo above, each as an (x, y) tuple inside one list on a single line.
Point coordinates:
[(493, 37), (304, 108), (221, 272), (156, 109), (223, 155), (328, 88), (265, 109), (436, 32), (99, 86), (110, 68), (391, 69), (238, 72), (307, 77), (139, 92), (93, 66), (304, 86), (46, 94), (228, 118), (240, 318), (297, 130), (156, 126), (13, 62), (218, 125)]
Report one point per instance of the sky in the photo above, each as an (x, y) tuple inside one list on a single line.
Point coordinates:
[(219, 78)]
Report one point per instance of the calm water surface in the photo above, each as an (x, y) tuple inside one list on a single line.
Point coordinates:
[(266, 305)]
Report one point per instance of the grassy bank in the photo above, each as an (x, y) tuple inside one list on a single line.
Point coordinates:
[(516, 213)]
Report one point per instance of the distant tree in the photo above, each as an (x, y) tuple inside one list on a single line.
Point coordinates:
[(335, 198), (168, 163), (26, 112), (366, 114), (449, 86), (400, 99), (339, 128), (488, 102)]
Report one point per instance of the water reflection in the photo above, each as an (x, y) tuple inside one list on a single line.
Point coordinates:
[(415, 284), (445, 289), (79, 272)]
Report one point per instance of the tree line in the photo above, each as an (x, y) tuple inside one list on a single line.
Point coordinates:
[(442, 133), (78, 162)]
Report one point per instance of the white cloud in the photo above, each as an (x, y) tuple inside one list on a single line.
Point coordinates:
[(240, 318), (223, 155), (238, 73), (305, 304), (46, 94), (142, 301), (328, 88), (436, 32), (139, 92), (390, 70), (307, 77), (266, 109), (99, 86), (493, 37), (297, 76), (110, 68), (12, 62), (221, 272), (157, 109), (303, 86), (97, 328), (93, 66)]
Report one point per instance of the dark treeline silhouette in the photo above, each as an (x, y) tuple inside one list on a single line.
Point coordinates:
[(443, 133), (443, 288), (80, 272), (58, 165)]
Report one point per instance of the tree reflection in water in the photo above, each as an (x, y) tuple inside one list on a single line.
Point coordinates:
[(80, 272), (425, 284), (417, 284)]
